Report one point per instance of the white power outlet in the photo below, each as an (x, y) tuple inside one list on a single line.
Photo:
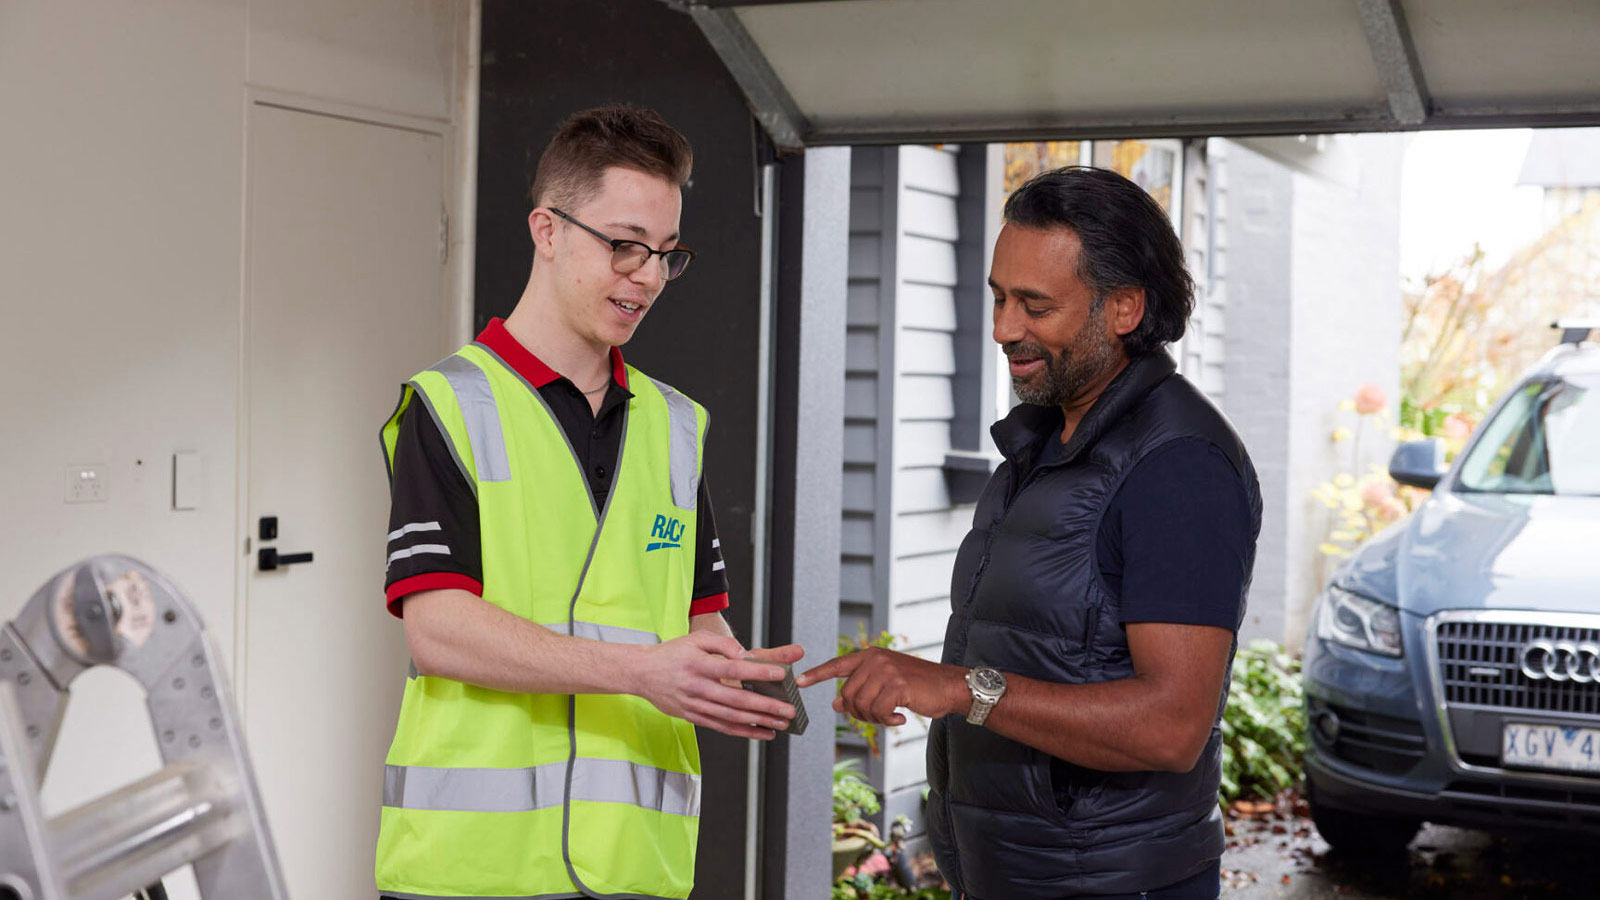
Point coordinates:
[(87, 484)]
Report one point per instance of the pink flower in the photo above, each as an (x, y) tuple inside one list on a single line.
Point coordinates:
[(1457, 427), (1369, 399), (1375, 493), (876, 864)]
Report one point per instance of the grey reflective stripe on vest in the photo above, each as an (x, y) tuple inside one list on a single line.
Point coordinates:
[(541, 787), (683, 447), (610, 634), (620, 781), (476, 790), (480, 415)]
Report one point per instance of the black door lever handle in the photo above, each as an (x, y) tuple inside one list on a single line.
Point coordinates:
[(268, 559)]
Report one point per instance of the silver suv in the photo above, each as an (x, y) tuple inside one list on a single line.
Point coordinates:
[(1452, 672)]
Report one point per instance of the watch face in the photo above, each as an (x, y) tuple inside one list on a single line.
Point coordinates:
[(988, 680)]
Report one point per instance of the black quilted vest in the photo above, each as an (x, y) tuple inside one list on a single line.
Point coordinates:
[(1008, 822)]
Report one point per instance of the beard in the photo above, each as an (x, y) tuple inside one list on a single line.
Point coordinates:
[(1065, 375)]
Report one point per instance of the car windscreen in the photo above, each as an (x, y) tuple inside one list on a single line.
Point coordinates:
[(1545, 440)]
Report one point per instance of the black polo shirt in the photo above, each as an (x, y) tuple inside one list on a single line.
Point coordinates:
[(434, 538), (1175, 544)]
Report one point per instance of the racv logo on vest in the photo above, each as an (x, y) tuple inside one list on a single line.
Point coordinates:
[(668, 534)]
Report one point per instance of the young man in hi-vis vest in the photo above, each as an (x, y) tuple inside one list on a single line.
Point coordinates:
[(554, 559)]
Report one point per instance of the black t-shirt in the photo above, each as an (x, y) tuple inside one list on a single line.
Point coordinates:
[(1174, 545), (434, 539)]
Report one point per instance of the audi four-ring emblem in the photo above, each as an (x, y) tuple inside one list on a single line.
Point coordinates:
[(1561, 661)]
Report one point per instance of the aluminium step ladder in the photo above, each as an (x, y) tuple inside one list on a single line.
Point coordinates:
[(201, 809)]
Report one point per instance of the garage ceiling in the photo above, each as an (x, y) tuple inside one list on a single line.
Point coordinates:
[(890, 71)]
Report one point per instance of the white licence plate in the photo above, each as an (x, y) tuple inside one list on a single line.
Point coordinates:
[(1550, 747)]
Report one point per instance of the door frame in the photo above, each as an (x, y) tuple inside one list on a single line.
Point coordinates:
[(455, 308)]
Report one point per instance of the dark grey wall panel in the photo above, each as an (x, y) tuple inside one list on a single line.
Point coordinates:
[(544, 59)]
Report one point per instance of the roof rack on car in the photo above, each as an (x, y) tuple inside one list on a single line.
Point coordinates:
[(1575, 331)]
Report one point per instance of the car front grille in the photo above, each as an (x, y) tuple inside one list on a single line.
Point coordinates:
[(1480, 664)]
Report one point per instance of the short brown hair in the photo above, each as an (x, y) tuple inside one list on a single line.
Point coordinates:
[(591, 141)]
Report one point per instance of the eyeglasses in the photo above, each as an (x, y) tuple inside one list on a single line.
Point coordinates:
[(628, 257)]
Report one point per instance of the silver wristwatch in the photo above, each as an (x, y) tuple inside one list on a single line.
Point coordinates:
[(987, 686)]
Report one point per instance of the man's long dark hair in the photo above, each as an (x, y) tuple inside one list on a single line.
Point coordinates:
[(1127, 241)]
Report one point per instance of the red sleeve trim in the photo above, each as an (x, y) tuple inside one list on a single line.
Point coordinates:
[(711, 604), (428, 581)]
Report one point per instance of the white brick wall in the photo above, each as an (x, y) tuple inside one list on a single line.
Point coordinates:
[(1345, 284), (1314, 288)]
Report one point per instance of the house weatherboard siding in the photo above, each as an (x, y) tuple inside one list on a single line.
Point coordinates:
[(927, 528), (1202, 355), (901, 529), (868, 403)]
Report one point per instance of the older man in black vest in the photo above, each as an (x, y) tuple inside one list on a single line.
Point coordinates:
[(1075, 750)]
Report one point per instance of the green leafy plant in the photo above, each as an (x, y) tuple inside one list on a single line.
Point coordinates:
[(853, 798), (865, 887), (865, 866), (867, 730), (854, 838), (1263, 725)]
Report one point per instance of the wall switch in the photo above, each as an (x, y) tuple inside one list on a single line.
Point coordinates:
[(87, 484), (186, 480)]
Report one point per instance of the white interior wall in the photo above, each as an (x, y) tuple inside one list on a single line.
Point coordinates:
[(121, 248), (120, 303)]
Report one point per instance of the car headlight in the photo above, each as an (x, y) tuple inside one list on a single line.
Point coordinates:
[(1359, 622)]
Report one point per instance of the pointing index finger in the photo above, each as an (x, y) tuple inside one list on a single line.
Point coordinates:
[(838, 667)]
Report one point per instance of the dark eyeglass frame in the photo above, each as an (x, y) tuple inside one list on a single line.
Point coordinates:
[(671, 268)]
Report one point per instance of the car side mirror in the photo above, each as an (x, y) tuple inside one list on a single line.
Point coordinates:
[(1418, 463)]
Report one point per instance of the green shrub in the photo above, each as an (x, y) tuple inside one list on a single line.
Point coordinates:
[(1263, 725), (863, 887), (853, 798)]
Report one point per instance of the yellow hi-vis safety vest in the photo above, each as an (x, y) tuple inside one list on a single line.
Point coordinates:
[(494, 794)]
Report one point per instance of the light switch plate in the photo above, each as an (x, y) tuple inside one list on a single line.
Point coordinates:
[(187, 480), (87, 483)]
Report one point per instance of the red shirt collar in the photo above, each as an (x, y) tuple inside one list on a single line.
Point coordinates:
[(524, 363)]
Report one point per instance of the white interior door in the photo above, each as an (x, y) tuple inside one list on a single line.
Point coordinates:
[(344, 300)]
